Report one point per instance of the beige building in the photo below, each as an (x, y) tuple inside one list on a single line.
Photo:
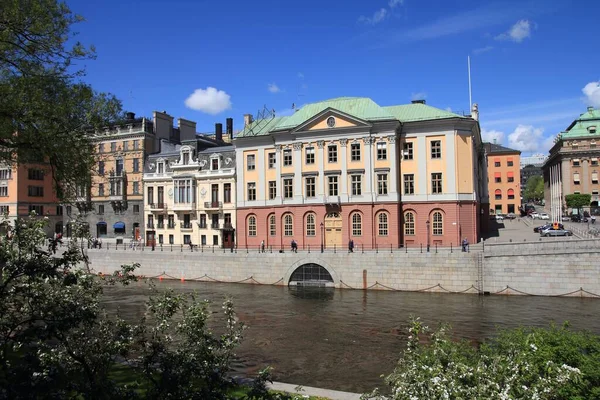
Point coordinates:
[(504, 179)]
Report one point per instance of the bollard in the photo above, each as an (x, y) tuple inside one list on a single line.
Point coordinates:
[(171, 246), (181, 247), (309, 249), (406, 247), (161, 247), (246, 249), (271, 247), (363, 248), (436, 248), (334, 248), (224, 249), (391, 249), (451, 247), (213, 248), (421, 247), (376, 249)]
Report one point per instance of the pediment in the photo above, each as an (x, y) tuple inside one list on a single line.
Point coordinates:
[(331, 119)]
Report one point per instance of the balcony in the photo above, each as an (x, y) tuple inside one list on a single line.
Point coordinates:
[(332, 200), (171, 225), (160, 225), (213, 204), (186, 226), (202, 225), (115, 196), (150, 225), (215, 226), (157, 206), (184, 206), (227, 225)]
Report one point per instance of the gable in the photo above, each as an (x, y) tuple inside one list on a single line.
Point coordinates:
[(340, 122)]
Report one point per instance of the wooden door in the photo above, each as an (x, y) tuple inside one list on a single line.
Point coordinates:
[(333, 230)]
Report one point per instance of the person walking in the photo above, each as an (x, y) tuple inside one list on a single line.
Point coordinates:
[(262, 246), (294, 246), (351, 246), (465, 245)]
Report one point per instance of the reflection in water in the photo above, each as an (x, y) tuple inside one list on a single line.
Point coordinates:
[(346, 339)]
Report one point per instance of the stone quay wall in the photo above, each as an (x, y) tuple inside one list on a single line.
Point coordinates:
[(550, 268)]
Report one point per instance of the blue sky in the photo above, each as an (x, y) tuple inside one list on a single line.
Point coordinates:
[(535, 64)]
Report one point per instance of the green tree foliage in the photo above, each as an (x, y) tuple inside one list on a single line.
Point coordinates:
[(45, 109), (527, 363), (578, 201), (534, 188)]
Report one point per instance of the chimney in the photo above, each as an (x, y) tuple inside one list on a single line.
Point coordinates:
[(229, 128), (475, 112), (419, 101), (247, 119), (163, 125), (187, 129), (130, 116), (219, 132)]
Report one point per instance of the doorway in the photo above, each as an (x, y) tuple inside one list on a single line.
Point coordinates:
[(333, 230), (227, 239)]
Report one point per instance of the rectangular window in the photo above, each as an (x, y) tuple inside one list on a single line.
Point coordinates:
[(35, 191), (160, 168), (356, 185), (227, 193), (101, 148), (215, 240), (125, 145), (409, 184), (202, 221), (498, 179), (184, 191), (272, 226), (511, 195), (594, 178), (576, 163), (510, 179), (333, 185), (355, 152), (382, 151), (509, 163), (39, 210), (161, 239), (113, 146), (3, 191), (251, 191), (35, 174), (310, 155), (101, 189), (59, 210), (4, 210), (594, 162), (436, 149), (203, 240), (101, 209), (310, 186), (332, 155), (136, 187), (187, 239), (576, 179), (287, 157), (136, 144), (136, 165), (272, 160), (186, 158), (214, 164), (171, 239), (101, 168), (272, 189), (382, 184), (251, 162), (150, 195), (407, 152), (496, 163), (288, 188), (5, 174), (436, 183)]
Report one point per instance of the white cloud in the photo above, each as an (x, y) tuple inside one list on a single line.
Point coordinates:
[(395, 3), (492, 136), (377, 17), (520, 31), (483, 49), (592, 93), (449, 109), (418, 96), (526, 138), (209, 100), (273, 88)]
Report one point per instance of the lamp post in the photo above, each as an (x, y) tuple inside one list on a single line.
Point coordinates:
[(428, 243), (322, 237)]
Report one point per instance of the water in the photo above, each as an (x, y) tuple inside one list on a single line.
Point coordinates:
[(346, 339)]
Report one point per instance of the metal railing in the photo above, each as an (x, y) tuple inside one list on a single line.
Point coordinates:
[(213, 204)]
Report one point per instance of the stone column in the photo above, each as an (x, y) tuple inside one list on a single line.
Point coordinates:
[(585, 176), (321, 178), (393, 179), (279, 183), (298, 197), (368, 190), (344, 164), (261, 185)]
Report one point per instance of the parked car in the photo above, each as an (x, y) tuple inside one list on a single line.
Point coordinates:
[(543, 216), (566, 218), (534, 215), (541, 228), (511, 216), (556, 232), (576, 218), (499, 217)]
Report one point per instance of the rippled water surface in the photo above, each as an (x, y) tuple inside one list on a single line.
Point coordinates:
[(346, 339)]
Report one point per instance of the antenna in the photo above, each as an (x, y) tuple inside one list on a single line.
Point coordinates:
[(469, 67)]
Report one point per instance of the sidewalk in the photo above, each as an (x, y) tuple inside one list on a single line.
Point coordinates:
[(311, 391)]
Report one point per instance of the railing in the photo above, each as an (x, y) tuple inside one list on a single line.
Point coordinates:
[(186, 225), (158, 206), (150, 225), (332, 200), (184, 206), (213, 204), (202, 225), (160, 225), (214, 226), (171, 226), (227, 225)]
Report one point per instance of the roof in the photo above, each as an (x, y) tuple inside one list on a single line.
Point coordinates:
[(219, 149), (493, 148), (580, 126), (362, 108)]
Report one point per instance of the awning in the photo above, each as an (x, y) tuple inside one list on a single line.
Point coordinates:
[(498, 191), (511, 174), (101, 223), (497, 174), (119, 225), (497, 159), (509, 159), (511, 192)]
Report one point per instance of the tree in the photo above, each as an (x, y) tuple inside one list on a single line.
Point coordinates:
[(578, 200), (534, 188), (45, 110)]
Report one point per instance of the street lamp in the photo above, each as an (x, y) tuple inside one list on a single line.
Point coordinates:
[(322, 237), (428, 244)]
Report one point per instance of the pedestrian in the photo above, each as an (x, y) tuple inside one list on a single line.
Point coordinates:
[(465, 245), (99, 243), (351, 246), (191, 246), (153, 243), (262, 246), (294, 246)]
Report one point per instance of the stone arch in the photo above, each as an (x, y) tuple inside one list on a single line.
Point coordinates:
[(311, 260)]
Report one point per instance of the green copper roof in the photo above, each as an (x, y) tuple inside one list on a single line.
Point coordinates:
[(419, 112), (359, 107), (580, 127)]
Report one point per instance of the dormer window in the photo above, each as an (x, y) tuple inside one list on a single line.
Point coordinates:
[(160, 168), (214, 164), (185, 156)]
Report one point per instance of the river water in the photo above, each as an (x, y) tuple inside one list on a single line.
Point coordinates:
[(346, 339)]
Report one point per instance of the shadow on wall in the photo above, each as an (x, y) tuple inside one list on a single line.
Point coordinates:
[(493, 229)]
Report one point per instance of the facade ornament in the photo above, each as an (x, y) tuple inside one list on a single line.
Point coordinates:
[(278, 147), (320, 144), (151, 166), (228, 161), (369, 140), (203, 192), (298, 146), (392, 139), (343, 142), (202, 163)]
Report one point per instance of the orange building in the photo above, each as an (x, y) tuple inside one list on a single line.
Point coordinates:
[(27, 188), (504, 178)]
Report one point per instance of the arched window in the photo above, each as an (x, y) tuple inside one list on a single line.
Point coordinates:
[(383, 224), (272, 225), (356, 224), (498, 194), (438, 223), (311, 228), (409, 223), (288, 225), (252, 225), (511, 194)]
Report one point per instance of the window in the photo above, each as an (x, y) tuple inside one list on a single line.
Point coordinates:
[(510, 179), (576, 163), (35, 174), (272, 225), (576, 179), (436, 183), (227, 193), (161, 239), (510, 194), (101, 209), (272, 160), (436, 149), (101, 148), (595, 192), (184, 191), (509, 163), (252, 225), (287, 157), (408, 151), (160, 167), (125, 145), (498, 179), (333, 185), (101, 168), (383, 224), (101, 189), (409, 183), (382, 184), (150, 195), (288, 227), (4, 210), (409, 224), (186, 158), (332, 153), (136, 165), (202, 240), (310, 155), (438, 223), (496, 163), (136, 144), (39, 210), (382, 151), (119, 166), (595, 178), (215, 240), (68, 210), (5, 174), (3, 191), (113, 146), (356, 185), (251, 191), (498, 194), (311, 226), (356, 224), (35, 191), (214, 164), (310, 186), (171, 239), (594, 162), (136, 187), (272, 189), (355, 152), (251, 162), (288, 188), (59, 210)]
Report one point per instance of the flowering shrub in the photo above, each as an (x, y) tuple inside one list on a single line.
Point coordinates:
[(521, 364)]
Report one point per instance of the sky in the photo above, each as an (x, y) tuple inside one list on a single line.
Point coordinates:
[(535, 65)]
